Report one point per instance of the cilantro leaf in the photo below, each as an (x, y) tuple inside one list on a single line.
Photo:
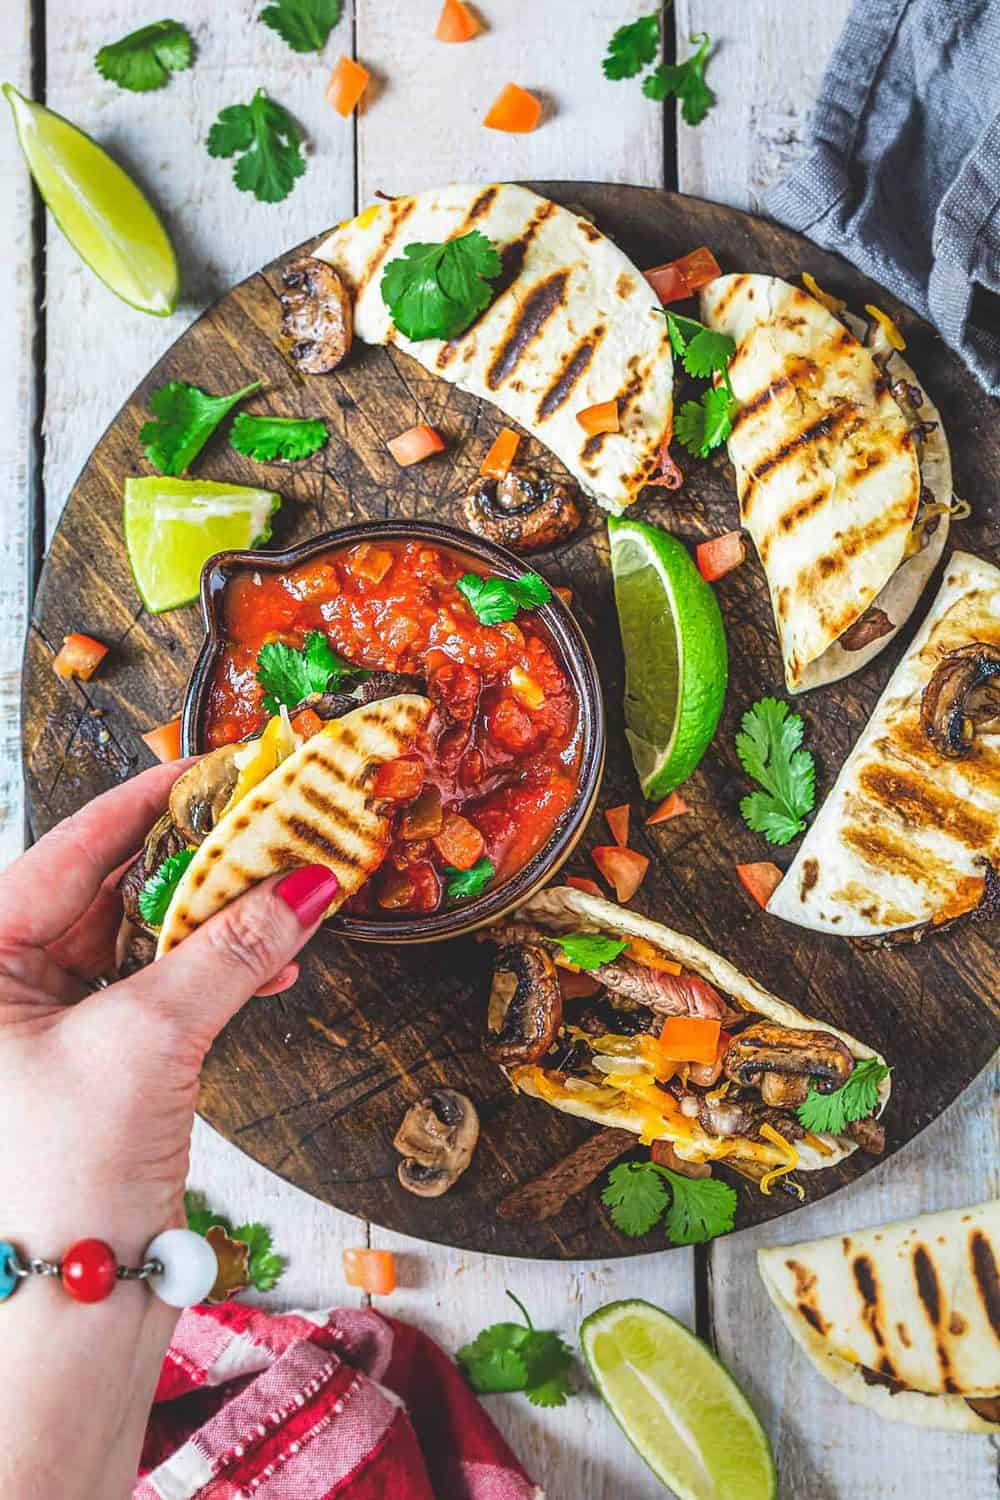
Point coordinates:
[(435, 291), (632, 47), (144, 59), (703, 425), (768, 747), (267, 140), (471, 882), (494, 600), (200, 1217), (518, 1357), (854, 1100), (682, 330), (304, 24), (282, 438), (588, 950), (700, 1208), (686, 80), (707, 352), (184, 418), (636, 1196), (287, 675), (266, 1267), (158, 889)]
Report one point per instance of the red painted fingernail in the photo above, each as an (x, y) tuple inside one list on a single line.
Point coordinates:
[(308, 892)]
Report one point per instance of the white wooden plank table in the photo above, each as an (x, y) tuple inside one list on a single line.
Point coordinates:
[(71, 353)]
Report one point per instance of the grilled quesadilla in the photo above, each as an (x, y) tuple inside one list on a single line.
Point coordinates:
[(251, 810), (903, 1318), (572, 323), (910, 833), (842, 470), (660, 1036)]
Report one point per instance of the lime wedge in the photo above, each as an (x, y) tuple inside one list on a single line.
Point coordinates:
[(677, 1405), (173, 526), (98, 207), (676, 661)]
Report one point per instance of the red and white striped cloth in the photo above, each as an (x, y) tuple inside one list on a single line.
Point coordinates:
[(305, 1406)]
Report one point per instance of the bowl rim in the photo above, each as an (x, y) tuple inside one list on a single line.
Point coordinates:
[(561, 624)]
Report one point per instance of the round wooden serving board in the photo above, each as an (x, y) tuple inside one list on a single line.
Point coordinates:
[(314, 1083)]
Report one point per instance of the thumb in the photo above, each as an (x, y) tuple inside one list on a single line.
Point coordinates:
[(204, 981)]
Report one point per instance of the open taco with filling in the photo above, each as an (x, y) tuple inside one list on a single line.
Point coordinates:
[(615, 1018), (903, 1318), (842, 469)]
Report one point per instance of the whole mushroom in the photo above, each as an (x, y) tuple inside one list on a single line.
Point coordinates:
[(524, 1013), (199, 795), (436, 1139), (524, 511)]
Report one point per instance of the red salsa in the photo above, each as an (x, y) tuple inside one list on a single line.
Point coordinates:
[(499, 764)]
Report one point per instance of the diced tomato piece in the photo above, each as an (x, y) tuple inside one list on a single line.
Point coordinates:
[(617, 820), (672, 806), (460, 842), (348, 82), (566, 595), (760, 879), (370, 563), (455, 687), (602, 417), (681, 278), (456, 23), (511, 726), (692, 1039), (371, 1270), (415, 444), (423, 819), (578, 986), (471, 768), (398, 780), (581, 883), (79, 657), (497, 463), (720, 555), (165, 741), (307, 723), (624, 869), (514, 110)]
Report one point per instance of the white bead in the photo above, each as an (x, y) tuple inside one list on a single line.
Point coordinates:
[(189, 1267)]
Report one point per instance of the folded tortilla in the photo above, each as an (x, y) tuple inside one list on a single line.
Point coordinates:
[(572, 323), (315, 808), (900, 840), (564, 909), (913, 1306), (846, 496)]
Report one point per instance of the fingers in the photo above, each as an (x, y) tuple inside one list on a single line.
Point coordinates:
[(49, 888), (240, 952)]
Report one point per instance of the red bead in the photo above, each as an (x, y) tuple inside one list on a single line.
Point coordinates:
[(89, 1270)]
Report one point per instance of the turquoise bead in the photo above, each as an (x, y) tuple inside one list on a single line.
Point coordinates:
[(8, 1281)]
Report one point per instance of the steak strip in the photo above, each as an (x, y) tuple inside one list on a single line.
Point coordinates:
[(542, 1199)]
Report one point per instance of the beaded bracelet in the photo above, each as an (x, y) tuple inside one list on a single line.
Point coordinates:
[(179, 1267)]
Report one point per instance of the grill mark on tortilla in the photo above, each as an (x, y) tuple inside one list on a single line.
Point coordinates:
[(529, 320), (400, 210), (795, 445), (805, 1287), (732, 290), (790, 519), (919, 803), (887, 853), (810, 875), (625, 285), (809, 581), (512, 258), (986, 1276), (480, 207), (574, 366), (867, 1284), (761, 398), (589, 231), (929, 1292), (314, 838), (624, 398)]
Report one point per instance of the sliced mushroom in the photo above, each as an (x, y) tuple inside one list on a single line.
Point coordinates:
[(871, 626), (318, 315), (379, 685), (962, 697), (135, 948), (525, 511), (784, 1061), (198, 797), (525, 1006), (436, 1139), (162, 840)]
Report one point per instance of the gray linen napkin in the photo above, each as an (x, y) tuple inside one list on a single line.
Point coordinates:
[(904, 176)]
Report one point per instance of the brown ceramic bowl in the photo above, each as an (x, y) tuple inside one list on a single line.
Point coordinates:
[(561, 625)]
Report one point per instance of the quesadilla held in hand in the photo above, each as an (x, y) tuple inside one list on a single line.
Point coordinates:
[(570, 323), (842, 469), (620, 1020), (908, 839), (903, 1318)]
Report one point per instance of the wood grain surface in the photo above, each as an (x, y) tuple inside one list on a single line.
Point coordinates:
[(314, 1083)]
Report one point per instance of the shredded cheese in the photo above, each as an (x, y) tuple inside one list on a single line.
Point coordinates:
[(887, 326), (714, 1095), (832, 304), (961, 510), (644, 953), (818, 1145), (788, 1165)]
